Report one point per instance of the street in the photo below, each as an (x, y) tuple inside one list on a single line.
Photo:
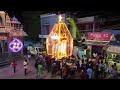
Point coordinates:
[(7, 72)]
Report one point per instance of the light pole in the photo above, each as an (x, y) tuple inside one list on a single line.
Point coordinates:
[(94, 26)]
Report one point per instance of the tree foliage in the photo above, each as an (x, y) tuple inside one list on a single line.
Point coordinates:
[(31, 23)]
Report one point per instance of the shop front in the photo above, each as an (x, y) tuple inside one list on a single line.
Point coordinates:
[(96, 41), (113, 54)]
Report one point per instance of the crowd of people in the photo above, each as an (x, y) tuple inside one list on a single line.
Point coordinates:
[(72, 67), (69, 68)]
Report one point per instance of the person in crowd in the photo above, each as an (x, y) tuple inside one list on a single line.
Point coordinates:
[(43, 62), (78, 67), (53, 68), (58, 65), (41, 56), (102, 69), (64, 72), (82, 66), (96, 72), (28, 59), (82, 75), (97, 58), (82, 58), (29, 55), (14, 64), (36, 67), (48, 62), (40, 69), (61, 66), (77, 63), (115, 68), (106, 70), (25, 67), (89, 72), (112, 72), (73, 69), (37, 56)]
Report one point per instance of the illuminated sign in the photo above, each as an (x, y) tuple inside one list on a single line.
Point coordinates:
[(106, 36), (15, 45)]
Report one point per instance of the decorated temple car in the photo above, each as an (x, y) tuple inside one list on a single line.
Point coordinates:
[(11, 35), (59, 42)]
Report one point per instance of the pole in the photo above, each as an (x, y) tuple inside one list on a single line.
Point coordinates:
[(42, 43), (93, 26)]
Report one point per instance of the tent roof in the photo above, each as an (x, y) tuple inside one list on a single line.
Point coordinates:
[(114, 49), (114, 43), (113, 31)]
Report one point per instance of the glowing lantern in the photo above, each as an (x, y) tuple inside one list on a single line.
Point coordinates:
[(15, 45), (59, 42)]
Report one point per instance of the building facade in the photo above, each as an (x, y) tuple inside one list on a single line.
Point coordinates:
[(88, 24), (47, 22), (9, 28)]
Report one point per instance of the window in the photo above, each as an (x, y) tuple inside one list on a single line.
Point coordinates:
[(45, 29), (89, 26), (81, 27)]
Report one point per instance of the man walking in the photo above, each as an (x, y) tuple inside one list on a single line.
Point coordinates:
[(25, 67), (14, 64)]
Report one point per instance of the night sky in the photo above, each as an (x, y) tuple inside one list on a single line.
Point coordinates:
[(18, 14), (30, 20)]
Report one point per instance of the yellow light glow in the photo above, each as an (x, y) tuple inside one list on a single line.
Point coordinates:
[(59, 43), (59, 18)]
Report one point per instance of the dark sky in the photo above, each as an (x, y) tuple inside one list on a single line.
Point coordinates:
[(18, 14)]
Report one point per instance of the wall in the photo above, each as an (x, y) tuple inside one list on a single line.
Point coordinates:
[(47, 23), (85, 19)]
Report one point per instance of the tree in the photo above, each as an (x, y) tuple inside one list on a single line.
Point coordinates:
[(31, 23)]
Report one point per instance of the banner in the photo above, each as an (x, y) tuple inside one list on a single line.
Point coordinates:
[(102, 36)]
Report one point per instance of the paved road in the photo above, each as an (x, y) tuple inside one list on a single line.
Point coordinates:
[(7, 72)]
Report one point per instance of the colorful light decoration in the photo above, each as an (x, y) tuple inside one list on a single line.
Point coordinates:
[(59, 42), (15, 45)]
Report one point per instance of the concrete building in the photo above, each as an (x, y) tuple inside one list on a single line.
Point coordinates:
[(47, 22), (88, 24)]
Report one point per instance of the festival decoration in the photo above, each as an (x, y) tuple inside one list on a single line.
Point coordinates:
[(15, 45), (59, 43)]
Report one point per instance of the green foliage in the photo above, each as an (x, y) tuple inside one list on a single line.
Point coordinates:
[(31, 23), (73, 25)]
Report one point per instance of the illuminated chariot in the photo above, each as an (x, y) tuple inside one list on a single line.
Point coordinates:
[(59, 43)]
